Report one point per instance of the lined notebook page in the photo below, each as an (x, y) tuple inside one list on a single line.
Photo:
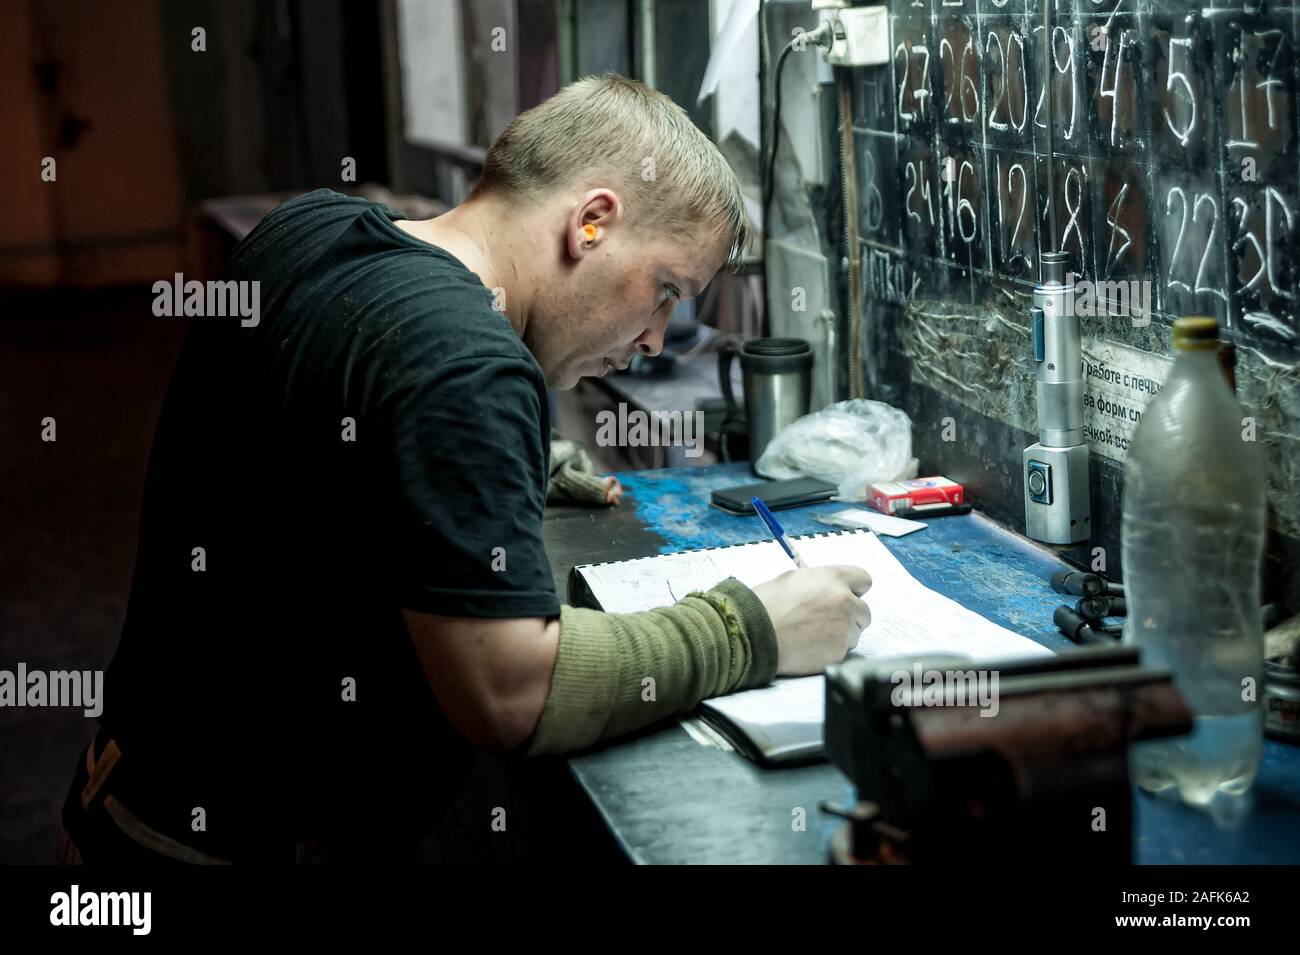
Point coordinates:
[(907, 619)]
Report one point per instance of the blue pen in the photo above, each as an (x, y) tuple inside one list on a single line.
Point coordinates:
[(777, 532)]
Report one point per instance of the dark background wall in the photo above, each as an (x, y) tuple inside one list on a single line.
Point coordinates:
[(285, 91), (1176, 163)]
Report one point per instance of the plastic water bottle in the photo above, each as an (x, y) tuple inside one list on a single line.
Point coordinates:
[(1193, 537)]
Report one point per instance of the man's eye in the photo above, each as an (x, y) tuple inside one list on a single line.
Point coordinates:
[(672, 292)]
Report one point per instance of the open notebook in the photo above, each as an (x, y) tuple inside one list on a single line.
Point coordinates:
[(783, 722)]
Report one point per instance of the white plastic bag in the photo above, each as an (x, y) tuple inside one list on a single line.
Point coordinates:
[(852, 443)]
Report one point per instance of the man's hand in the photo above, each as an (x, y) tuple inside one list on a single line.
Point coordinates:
[(818, 615)]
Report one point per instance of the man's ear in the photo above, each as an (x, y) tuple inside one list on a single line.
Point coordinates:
[(590, 221)]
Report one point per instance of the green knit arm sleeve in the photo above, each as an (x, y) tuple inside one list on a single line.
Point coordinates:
[(615, 673)]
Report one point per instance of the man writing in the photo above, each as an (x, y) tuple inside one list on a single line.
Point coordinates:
[(341, 591)]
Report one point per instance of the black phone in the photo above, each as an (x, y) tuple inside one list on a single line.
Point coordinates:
[(777, 495)]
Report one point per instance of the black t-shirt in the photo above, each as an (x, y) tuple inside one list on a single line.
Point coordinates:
[(376, 441)]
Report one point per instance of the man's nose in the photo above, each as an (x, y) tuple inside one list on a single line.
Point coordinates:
[(651, 341)]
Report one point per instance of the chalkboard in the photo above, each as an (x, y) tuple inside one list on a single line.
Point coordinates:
[(1174, 174), (1175, 152)]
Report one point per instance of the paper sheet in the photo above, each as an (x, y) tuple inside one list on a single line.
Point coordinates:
[(860, 517), (907, 618)]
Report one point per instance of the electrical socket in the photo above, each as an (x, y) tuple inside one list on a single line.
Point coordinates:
[(861, 36)]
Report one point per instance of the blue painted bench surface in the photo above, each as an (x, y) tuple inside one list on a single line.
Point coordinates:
[(666, 798)]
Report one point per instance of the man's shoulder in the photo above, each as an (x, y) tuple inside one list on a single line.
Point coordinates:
[(292, 236), (350, 281), (492, 361), (318, 203), (432, 305), (431, 325), (300, 228)]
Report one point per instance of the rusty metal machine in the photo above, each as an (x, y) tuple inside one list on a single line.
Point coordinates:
[(1041, 775)]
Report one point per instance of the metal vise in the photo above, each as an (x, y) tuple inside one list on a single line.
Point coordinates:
[(1042, 777)]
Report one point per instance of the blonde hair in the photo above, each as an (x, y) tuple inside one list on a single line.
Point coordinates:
[(610, 130)]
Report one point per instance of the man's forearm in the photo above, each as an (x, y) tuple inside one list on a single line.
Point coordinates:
[(618, 672)]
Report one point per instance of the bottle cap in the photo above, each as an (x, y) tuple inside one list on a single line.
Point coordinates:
[(1196, 333)]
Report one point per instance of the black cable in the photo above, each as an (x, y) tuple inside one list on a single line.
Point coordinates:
[(776, 137), (822, 37)]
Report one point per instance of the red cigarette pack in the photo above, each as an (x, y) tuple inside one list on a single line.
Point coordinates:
[(917, 494)]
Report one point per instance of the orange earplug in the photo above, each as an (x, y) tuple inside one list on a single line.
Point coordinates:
[(590, 232)]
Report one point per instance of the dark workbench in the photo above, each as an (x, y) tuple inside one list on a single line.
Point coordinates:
[(668, 799)]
